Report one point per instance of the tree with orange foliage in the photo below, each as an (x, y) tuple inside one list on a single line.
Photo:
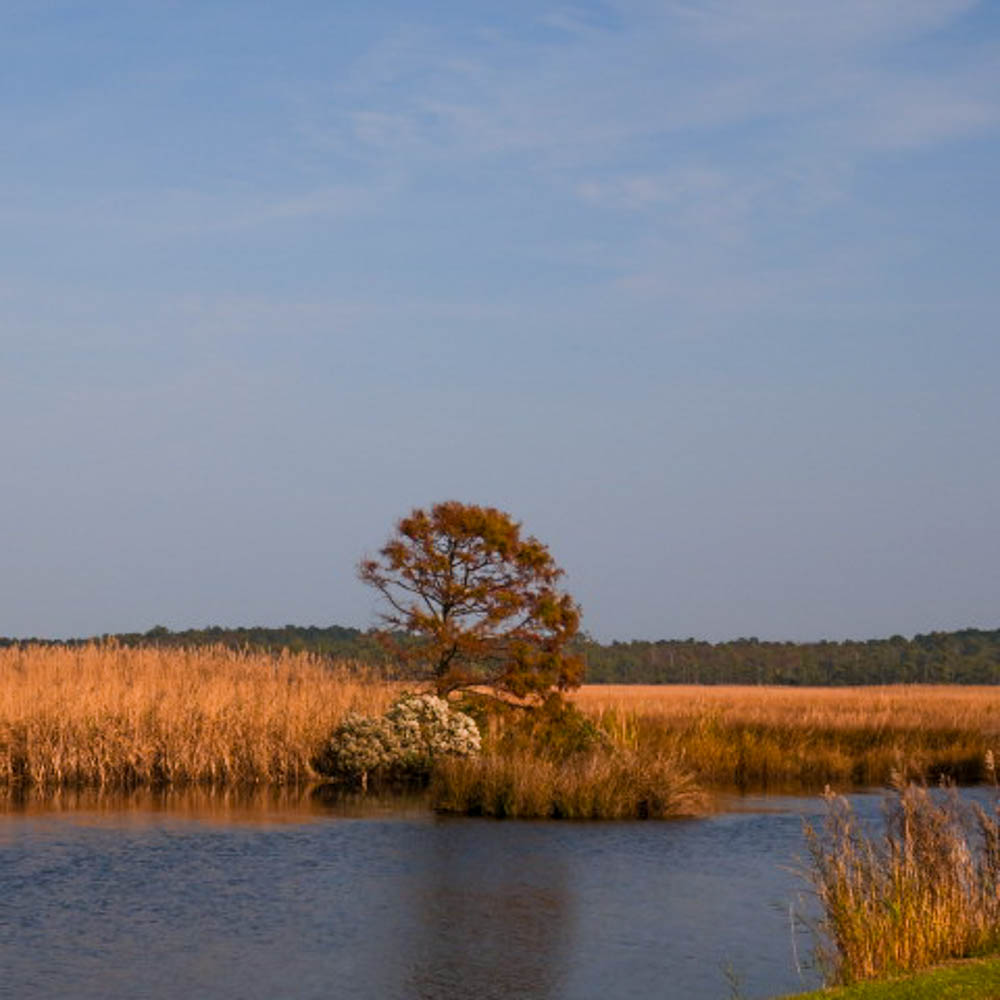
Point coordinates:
[(476, 602)]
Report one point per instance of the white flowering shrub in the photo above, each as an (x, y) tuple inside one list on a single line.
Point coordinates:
[(360, 746), (427, 727), (402, 743)]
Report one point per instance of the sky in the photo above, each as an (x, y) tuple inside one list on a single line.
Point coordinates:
[(702, 292)]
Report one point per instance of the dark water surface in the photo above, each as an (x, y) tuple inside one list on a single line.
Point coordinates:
[(303, 899)]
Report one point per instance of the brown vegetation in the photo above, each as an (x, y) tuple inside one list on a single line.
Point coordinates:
[(595, 785), (477, 601), (925, 890), (112, 716), (555, 762), (785, 738)]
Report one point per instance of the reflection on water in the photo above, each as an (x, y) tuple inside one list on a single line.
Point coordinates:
[(507, 907), (240, 804), (303, 894)]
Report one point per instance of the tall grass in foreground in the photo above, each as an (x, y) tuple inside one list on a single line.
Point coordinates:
[(108, 715), (793, 738), (924, 891)]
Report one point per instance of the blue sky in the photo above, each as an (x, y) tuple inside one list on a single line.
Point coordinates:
[(703, 292)]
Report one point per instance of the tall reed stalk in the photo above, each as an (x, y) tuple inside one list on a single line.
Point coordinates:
[(924, 890)]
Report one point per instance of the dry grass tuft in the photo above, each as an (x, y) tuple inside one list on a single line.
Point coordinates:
[(596, 785), (925, 891), (556, 763), (113, 716)]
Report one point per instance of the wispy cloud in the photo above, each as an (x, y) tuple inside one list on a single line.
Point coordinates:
[(790, 25), (179, 212), (639, 79), (915, 113), (712, 125), (699, 108), (810, 91)]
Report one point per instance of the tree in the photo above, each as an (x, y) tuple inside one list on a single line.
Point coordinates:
[(472, 602)]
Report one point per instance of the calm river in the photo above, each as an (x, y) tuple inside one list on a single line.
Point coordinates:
[(301, 898)]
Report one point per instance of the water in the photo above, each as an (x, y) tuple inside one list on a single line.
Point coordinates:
[(302, 899)]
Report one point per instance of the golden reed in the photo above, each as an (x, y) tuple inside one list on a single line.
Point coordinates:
[(597, 785), (793, 738), (114, 716), (924, 890)]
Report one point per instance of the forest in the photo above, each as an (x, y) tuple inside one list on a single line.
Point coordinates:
[(967, 656)]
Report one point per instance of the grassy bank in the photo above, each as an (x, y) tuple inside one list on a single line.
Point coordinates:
[(975, 980), (763, 738), (112, 716)]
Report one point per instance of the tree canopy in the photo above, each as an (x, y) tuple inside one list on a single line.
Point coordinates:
[(473, 602)]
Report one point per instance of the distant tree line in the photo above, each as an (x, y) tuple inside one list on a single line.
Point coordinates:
[(968, 656), (334, 641)]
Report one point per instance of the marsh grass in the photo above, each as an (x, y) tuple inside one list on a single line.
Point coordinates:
[(923, 891), (801, 738), (557, 763), (110, 716), (600, 784)]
